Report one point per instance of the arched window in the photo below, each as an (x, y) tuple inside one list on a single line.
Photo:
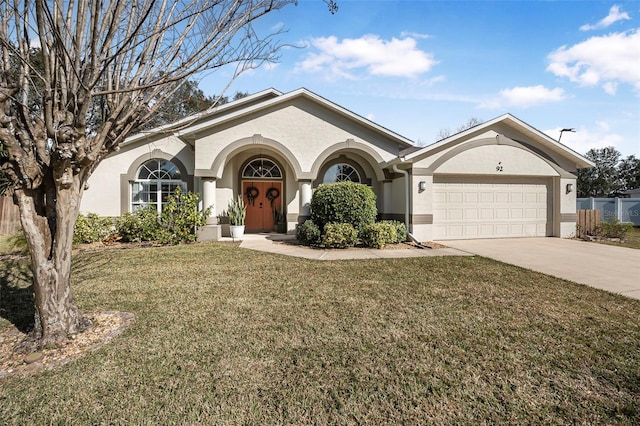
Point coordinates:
[(341, 172), (262, 168), (155, 181)]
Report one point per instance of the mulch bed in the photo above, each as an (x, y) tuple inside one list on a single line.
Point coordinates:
[(106, 326)]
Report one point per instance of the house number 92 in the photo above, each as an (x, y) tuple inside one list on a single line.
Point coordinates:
[(499, 167)]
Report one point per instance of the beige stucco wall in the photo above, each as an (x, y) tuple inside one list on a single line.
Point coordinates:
[(104, 194), (309, 133), (567, 205), (496, 160)]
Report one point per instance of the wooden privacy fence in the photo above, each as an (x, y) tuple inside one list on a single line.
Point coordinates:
[(588, 221), (9, 217)]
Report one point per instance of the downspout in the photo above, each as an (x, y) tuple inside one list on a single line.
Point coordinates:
[(407, 204)]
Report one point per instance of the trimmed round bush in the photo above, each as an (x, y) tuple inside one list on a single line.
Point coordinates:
[(377, 235), (308, 233), (401, 230), (339, 235), (343, 202)]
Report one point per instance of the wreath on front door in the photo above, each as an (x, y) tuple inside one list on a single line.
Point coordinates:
[(252, 193), (272, 194)]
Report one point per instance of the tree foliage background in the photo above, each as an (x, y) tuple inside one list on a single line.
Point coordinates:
[(611, 176)]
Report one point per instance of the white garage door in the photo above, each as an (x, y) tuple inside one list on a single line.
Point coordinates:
[(466, 208)]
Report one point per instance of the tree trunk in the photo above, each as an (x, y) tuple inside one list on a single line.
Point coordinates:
[(48, 227)]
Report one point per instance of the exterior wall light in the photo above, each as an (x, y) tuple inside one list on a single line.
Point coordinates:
[(422, 185), (569, 187)]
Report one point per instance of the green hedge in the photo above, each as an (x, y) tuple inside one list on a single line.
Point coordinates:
[(92, 228), (178, 223), (378, 235), (339, 235), (308, 233), (343, 202), (401, 230)]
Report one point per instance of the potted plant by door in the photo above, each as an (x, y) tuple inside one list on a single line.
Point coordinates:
[(237, 212)]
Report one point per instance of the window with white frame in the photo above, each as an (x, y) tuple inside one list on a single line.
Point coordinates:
[(155, 181), (341, 172), (261, 168)]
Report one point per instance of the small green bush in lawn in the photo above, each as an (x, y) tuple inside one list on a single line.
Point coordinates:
[(141, 225), (401, 230), (92, 228), (339, 235), (178, 223), (613, 228), (378, 235), (343, 202), (308, 233), (180, 218)]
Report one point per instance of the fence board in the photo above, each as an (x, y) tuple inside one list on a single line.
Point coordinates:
[(588, 221), (9, 217)]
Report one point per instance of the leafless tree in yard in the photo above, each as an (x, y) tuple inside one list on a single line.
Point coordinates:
[(445, 133), (105, 67)]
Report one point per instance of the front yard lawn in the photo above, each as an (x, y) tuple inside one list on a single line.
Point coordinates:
[(230, 336)]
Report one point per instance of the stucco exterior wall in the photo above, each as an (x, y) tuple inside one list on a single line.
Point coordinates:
[(568, 217), (305, 133), (105, 193)]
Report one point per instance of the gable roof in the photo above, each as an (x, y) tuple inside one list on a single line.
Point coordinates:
[(243, 107), (506, 119)]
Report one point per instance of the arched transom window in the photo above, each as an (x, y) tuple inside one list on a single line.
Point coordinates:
[(262, 168), (341, 172), (155, 181)]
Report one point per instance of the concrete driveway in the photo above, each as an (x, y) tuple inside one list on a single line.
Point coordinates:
[(614, 269)]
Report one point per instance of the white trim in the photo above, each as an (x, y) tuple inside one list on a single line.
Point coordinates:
[(537, 135)]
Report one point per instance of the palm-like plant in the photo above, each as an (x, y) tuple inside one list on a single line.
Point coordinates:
[(237, 211)]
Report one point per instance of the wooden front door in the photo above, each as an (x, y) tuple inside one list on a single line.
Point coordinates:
[(261, 197)]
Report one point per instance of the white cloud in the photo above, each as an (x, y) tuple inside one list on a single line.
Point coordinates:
[(607, 60), (386, 58), (585, 139), (613, 17), (412, 34), (524, 97), (432, 81), (603, 125)]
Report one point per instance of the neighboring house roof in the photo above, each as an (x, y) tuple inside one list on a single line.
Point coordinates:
[(632, 191), (506, 119), (190, 126)]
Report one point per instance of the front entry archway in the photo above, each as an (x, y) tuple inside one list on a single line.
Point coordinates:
[(263, 193)]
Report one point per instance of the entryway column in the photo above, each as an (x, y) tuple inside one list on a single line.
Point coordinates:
[(209, 199), (305, 199)]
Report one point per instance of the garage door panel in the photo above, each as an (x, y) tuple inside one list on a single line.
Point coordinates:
[(487, 214), (489, 208), (486, 197)]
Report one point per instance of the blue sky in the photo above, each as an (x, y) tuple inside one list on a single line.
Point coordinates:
[(418, 67)]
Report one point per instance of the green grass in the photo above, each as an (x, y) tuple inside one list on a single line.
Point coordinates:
[(230, 336), (11, 243)]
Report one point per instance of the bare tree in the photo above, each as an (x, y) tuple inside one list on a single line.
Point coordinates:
[(472, 122), (107, 66)]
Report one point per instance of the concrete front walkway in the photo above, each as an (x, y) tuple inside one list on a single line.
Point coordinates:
[(610, 268), (283, 244)]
